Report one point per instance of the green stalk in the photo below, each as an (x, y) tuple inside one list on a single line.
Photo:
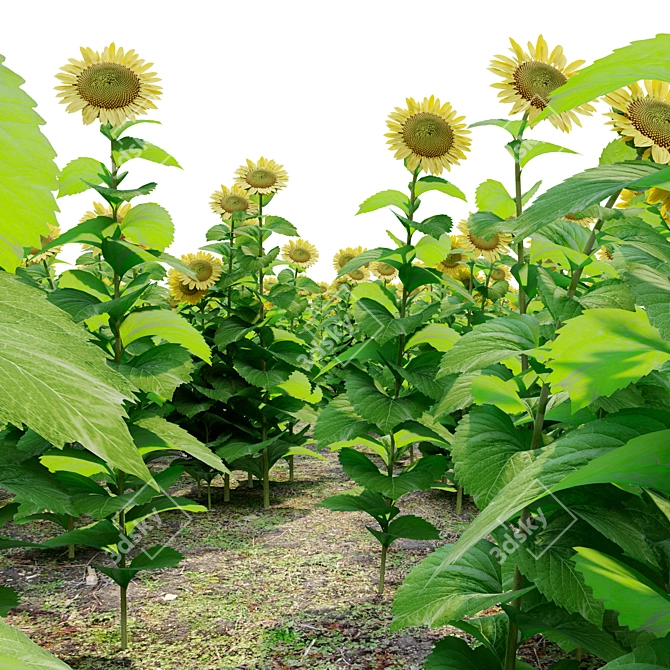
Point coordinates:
[(382, 570), (291, 474), (48, 271), (226, 487), (231, 242), (459, 499), (209, 495), (120, 489), (70, 527), (250, 480)]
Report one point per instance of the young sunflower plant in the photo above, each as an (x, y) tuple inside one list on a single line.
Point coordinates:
[(113, 291), (558, 402)]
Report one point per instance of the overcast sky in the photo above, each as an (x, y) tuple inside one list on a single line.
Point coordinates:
[(310, 84)]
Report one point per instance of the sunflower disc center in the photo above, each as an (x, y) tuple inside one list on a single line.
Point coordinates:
[(234, 203), (652, 119), (344, 259), (108, 85), (483, 244), (187, 290), (385, 269), (534, 81), (428, 135), (497, 274), (452, 260), (260, 178), (202, 270), (358, 275), (300, 255)]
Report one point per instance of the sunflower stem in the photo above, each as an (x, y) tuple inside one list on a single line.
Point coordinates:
[(48, 272), (226, 487)]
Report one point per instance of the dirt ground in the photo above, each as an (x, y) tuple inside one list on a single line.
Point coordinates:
[(292, 587)]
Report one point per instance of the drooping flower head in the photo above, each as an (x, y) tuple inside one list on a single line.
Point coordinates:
[(453, 262), (264, 177), (300, 253), (491, 249), (428, 134), (37, 255), (531, 76), (112, 86), (227, 201), (182, 293), (343, 256), (206, 268), (642, 116)]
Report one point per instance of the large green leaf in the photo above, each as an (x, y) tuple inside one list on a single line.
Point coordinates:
[(641, 604), (132, 147), (529, 149), (73, 177), (643, 59), (652, 656), (27, 173), (492, 342), (19, 652), (157, 432), (432, 183), (434, 595), (601, 351), (384, 199), (453, 653), (381, 325), (159, 370), (57, 383), (150, 225), (581, 190), (339, 421), (651, 290), (167, 325), (156, 558), (492, 196)]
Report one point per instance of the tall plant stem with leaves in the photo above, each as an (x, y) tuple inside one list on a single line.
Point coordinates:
[(264, 420)]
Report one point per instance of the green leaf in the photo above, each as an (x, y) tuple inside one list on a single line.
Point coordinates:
[(27, 173), (8, 598), (435, 225), (513, 127), (412, 527), (652, 656), (651, 289), (385, 199), (432, 183), (115, 195), (617, 152), (339, 421), (494, 391), (231, 330), (640, 603), (643, 59), (440, 336), (82, 280), (492, 196), (434, 596), (150, 225), (90, 231), (529, 149), (377, 407), (365, 473), (157, 432), (131, 147), (57, 383), (374, 291), (73, 177), (165, 324), (432, 251), (601, 351), (486, 224), (277, 224), (159, 370), (155, 558), (378, 323), (298, 386), (19, 652), (492, 342), (579, 191), (453, 653), (370, 502)]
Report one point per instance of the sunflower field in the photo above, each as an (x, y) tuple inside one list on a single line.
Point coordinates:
[(453, 456)]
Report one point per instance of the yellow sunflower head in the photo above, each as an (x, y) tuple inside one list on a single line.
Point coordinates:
[(263, 177), (384, 271), (491, 249), (227, 201), (180, 292), (642, 116), (359, 275), (105, 210), (530, 77), (268, 282), (300, 253), (604, 254), (343, 256), (206, 268), (324, 287), (462, 274), (112, 86), (453, 262), (586, 222), (37, 255), (428, 134), (501, 272)]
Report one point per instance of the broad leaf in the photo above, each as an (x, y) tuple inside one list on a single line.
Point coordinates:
[(385, 199), (150, 225), (19, 652)]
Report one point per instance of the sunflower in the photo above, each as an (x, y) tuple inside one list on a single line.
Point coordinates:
[(454, 261), (300, 253), (229, 200), (462, 274), (359, 275), (604, 254), (491, 248), (206, 267), (324, 287), (182, 293), (586, 222), (104, 210), (343, 256), (530, 77), (264, 177), (268, 282), (643, 117), (501, 272), (429, 135), (661, 197), (37, 255), (384, 271), (113, 86)]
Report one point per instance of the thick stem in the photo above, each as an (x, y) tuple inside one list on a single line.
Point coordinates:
[(209, 495), (231, 243), (70, 527), (250, 480), (536, 441), (124, 617), (48, 271), (226, 487), (459, 499), (518, 199), (266, 479), (260, 255), (382, 570), (291, 469), (197, 479)]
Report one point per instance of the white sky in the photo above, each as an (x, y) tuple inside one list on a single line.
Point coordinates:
[(310, 84)]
